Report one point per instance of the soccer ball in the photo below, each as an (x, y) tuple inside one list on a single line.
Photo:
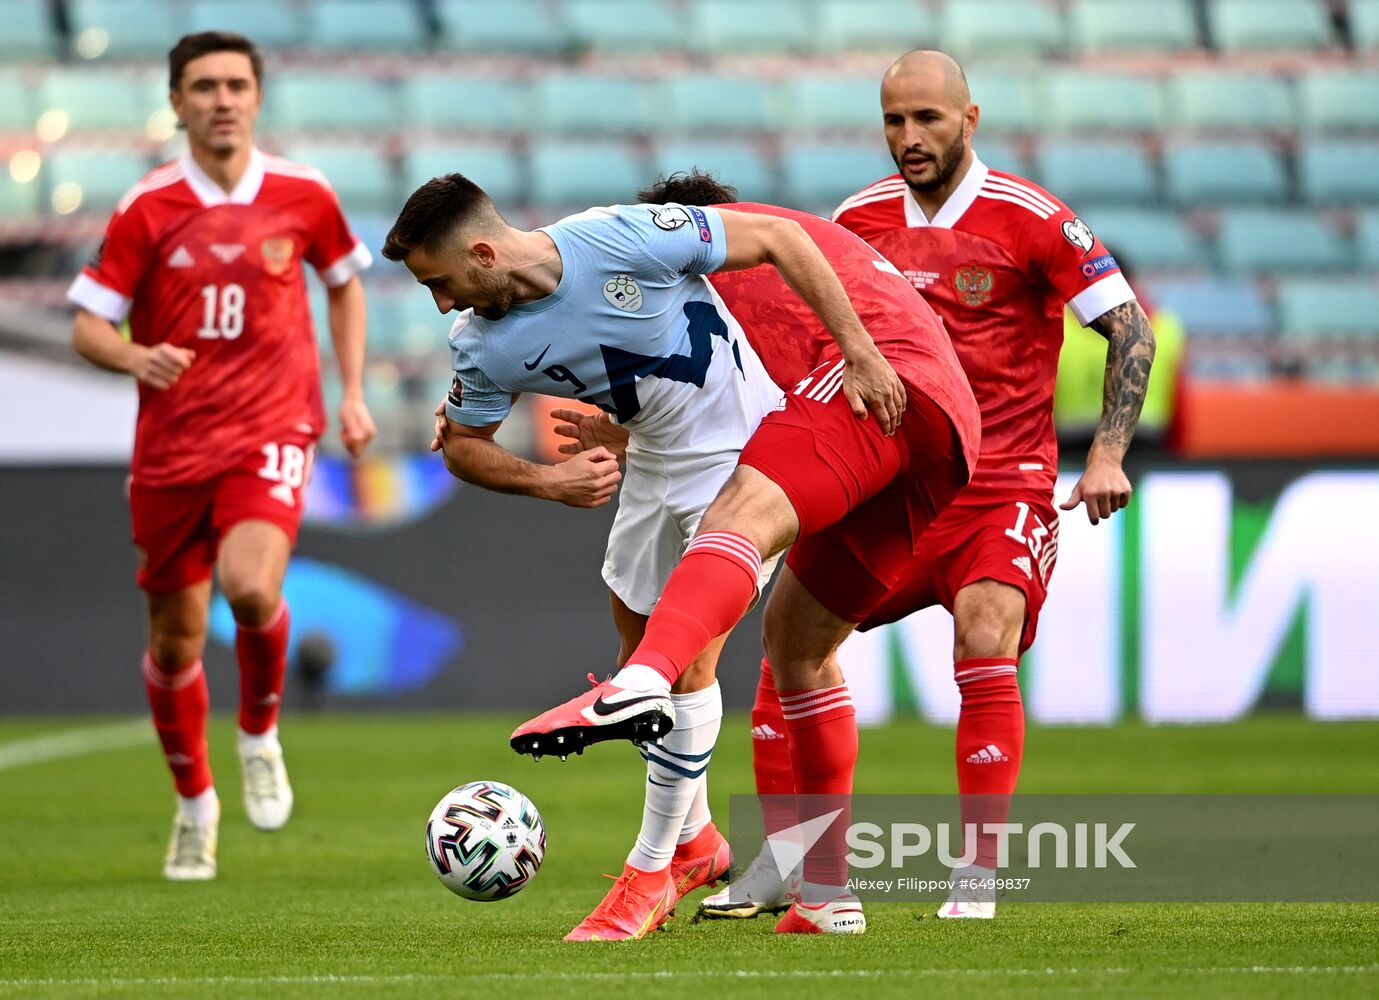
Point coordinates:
[(485, 840)]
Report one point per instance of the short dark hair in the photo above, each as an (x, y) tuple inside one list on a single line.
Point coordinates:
[(203, 43), (694, 187), (434, 211)]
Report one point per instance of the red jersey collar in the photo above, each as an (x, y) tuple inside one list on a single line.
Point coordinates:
[(958, 202), (210, 193)]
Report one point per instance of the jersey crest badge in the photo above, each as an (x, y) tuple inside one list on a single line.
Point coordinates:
[(277, 254), (456, 394), (973, 283), (1076, 232), (623, 293)]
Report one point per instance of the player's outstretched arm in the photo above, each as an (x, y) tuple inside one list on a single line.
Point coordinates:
[(589, 479), (869, 381), (1104, 487), (158, 367), (347, 314)]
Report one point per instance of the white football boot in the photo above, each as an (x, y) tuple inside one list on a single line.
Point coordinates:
[(191, 851), (267, 793), (973, 896), (759, 889)]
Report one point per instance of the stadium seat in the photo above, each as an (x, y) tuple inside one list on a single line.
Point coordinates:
[(1280, 240), (831, 102), (717, 103), (305, 100), (101, 98), (1339, 171), (583, 103), (579, 174), (625, 25), (1145, 238), (28, 30), (1364, 24), (496, 169), (19, 200), (1367, 239), (102, 178), (359, 174), (366, 25), (1216, 306), (1008, 99), (989, 28), (465, 102), (1254, 25), (1132, 25), (510, 26), (1085, 172), (270, 23), (1327, 306), (121, 27), (873, 25), (1339, 100), (1215, 100), (1079, 99), (737, 163), (1208, 173), (751, 26), (818, 178)]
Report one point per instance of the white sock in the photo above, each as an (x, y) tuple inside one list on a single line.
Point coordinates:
[(698, 816), (202, 809), (640, 678), (251, 742), (674, 774)]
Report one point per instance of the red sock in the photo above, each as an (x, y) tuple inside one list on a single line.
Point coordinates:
[(991, 741), (180, 703), (823, 755), (709, 591), (262, 654), (771, 756)]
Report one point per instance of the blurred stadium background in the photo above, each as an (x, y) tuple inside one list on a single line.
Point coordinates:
[(1227, 149)]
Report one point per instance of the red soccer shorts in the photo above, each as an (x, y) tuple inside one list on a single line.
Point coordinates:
[(863, 499), (178, 528), (1009, 536)]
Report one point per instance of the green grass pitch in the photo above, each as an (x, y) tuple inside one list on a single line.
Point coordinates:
[(341, 902)]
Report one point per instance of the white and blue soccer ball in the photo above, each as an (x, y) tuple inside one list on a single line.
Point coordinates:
[(485, 840)]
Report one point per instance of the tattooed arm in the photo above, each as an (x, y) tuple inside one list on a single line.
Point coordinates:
[(1104, 487)]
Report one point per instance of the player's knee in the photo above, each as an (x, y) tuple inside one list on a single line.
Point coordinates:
[(173, 650), (750, 504), (252, 601), (988, 630)]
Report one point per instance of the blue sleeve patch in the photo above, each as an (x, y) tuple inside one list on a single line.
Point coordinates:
[(702, 221), (1099, 266)]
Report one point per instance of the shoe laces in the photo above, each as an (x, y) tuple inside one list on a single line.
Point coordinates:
[(259, 777), (189, 844)]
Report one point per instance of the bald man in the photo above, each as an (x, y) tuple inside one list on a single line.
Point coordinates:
[(998, 258)]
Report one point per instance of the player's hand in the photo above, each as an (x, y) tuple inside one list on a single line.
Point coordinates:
[(870, 383), (159, 366), (589, 430), (1104, 488), (588, 480), (356, 425), (438, 443)]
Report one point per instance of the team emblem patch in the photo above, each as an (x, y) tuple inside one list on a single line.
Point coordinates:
[(455, 397), (1076, 232), (974, 284), (623, 293), (669, 218), (277, 254)]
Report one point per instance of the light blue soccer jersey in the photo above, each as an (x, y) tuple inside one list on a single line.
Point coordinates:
[(633, 328)]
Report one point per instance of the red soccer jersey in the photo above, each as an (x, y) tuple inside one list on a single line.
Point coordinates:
[(998, 262), (221, 274), (791, 340)]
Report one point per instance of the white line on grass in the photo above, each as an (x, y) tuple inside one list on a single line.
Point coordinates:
[(75, 743), (1287, 970)]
